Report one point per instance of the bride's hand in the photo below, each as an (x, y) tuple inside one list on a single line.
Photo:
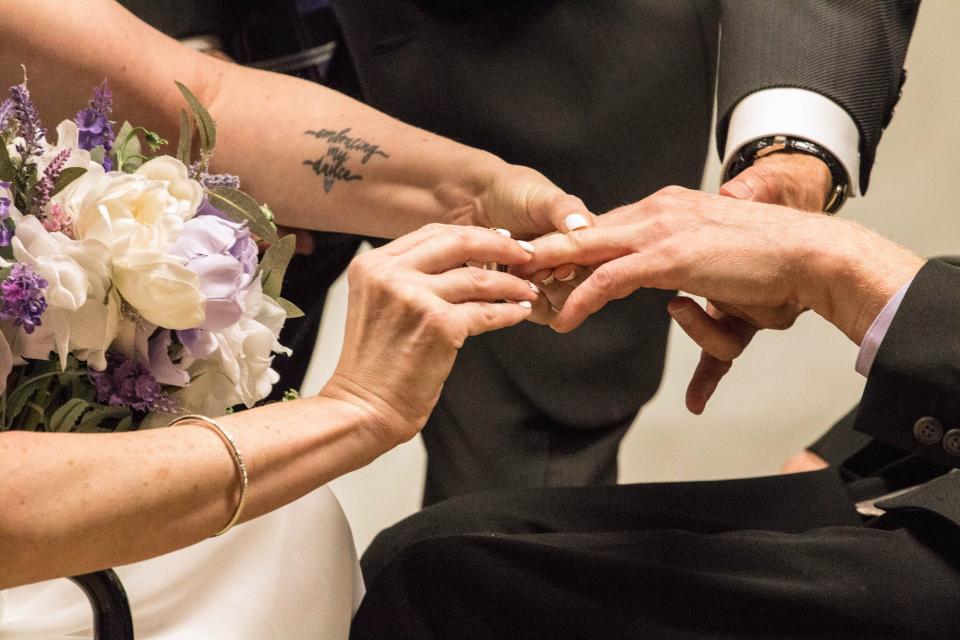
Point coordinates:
[(411, 306)]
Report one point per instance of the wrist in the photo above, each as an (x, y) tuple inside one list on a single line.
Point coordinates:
[(851, 273), (377, 420), (463, 194)]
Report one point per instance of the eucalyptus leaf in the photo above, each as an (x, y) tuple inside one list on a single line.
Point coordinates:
[(185, 145), (66, 417), (205, 124), (274, 265), (240, 207), (293, 311), (67, 176), (7, 171), (100, 414)]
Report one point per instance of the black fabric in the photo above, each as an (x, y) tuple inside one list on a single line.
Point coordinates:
[(916, 372), (779, 557), (591, 96), (851, 51)]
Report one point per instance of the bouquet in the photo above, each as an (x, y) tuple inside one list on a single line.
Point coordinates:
[(132, 289)]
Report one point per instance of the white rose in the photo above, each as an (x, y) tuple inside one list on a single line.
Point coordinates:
[(159, 287), (147, 207)]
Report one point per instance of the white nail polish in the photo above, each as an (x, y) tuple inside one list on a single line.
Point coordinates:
[(549, 280), (568, 278), (555, 310), (504, 232), (526, 304), (533, 287), (574, 221), (526, 246)]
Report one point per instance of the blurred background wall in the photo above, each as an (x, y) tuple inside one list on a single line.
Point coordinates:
[(789, 386)]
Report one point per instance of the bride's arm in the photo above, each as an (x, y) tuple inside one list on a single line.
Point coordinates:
[(72, 503), (396, 177)]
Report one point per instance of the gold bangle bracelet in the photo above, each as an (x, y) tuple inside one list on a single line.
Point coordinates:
[(237, 459)]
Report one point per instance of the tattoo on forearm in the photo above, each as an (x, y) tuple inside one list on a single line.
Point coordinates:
[(334, 164)]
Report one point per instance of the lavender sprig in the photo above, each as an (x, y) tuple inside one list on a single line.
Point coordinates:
[(22, 297), (96, 129), (30, 127), (44, 188), (127, 383), (6, 112)]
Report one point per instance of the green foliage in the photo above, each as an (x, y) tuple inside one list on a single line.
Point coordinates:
[(185, 144), (273, 266), (293, 311), (67, 176), (8, 172), (240, 207), (205, 125)]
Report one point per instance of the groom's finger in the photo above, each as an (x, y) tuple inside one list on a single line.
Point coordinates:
[(459, 245), (586, 247), (612, 280)]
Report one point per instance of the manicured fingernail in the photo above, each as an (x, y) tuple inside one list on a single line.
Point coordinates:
[(504, 232), (533, 287), (740, 190), (526, 304), (526, 246), (549, 280), (574, 221), (567, 278)]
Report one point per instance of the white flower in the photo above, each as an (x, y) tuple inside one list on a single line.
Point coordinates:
[(81, 315), (244, 350), (137, 217), (147, 207), (159, 287)]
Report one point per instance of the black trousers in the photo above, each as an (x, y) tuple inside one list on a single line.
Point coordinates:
[(777, 557)]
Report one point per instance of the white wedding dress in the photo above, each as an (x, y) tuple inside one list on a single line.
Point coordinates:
[(289, 575)]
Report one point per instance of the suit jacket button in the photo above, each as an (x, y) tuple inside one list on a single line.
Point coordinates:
[(951, 442), (928, 430)]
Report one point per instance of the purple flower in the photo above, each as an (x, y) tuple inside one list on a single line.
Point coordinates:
[(224, 256), (44, 188), (22, 297), (6, 232), (6, 110), (96, 130), (24, 111), (212, 180), (127, 383)]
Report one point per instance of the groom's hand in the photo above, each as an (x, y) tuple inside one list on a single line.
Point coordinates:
[(795, 180), (412, 304), (744, 255)]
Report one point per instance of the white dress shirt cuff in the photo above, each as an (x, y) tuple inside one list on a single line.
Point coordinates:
[(799, 113)]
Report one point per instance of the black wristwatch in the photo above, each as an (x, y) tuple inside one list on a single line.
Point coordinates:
[(772, 144)]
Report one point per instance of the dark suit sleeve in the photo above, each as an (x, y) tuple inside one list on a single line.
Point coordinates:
[(916, 373), (850, 51)]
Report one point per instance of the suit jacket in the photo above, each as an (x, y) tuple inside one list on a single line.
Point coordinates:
[(915, 376), (611, 100)]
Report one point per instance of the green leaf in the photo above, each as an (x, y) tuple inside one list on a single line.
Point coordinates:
[(7, 171), (293, 311), (205, 124), (240, 207), (66, 417), (100, 414), (126, 424), (185, 145), (128, 151), (274, 265), (97, 154), (67, 176)]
